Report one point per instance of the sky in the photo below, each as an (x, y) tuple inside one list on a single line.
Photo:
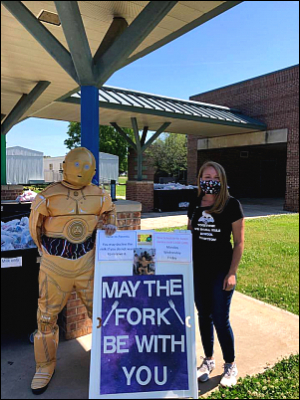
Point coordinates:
[(249, 40)]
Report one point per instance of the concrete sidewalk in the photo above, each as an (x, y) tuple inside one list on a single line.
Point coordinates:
[(253, 208), (263, 334)]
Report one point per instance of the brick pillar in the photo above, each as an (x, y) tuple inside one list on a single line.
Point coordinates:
[(11, 192), (292, 171), (74, 321), (148, 169), (192, 171), (142, 191)]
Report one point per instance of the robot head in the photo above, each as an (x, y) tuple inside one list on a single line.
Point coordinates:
[(79, 167)]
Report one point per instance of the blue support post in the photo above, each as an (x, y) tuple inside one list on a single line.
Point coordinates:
[(90, 123), (3, 159)]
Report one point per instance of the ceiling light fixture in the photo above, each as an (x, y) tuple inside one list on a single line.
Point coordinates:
[(49, 17)]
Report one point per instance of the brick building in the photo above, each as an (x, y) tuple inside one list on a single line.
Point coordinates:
[(258, 164)]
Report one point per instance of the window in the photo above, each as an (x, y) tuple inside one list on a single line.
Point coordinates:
[(51, 167)]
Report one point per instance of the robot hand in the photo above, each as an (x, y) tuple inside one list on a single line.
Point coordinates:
[(109, 229)]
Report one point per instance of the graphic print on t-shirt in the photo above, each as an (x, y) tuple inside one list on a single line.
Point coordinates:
[(207, 228), (206, 218)]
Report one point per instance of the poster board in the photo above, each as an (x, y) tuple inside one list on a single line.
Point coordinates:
[(144, 302)]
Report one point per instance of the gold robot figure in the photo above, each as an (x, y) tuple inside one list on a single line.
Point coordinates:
[(63, 223)]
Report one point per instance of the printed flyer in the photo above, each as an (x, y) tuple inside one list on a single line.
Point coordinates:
[(143, 324)]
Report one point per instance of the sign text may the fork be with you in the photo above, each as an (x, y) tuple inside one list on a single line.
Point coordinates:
[(143, 340)]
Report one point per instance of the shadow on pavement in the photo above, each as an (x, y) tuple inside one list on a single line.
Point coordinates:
[(71, 380), (212, 383)]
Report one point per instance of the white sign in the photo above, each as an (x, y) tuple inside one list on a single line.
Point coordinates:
[(143, 344), (119, 246), (173, 248), (11, 262)]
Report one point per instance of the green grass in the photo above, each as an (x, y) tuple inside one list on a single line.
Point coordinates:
[(35, 188), (121, 188), (123, 179), (280, 382), (269, 270)]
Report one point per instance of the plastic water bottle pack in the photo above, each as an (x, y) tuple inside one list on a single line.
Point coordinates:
[(15, 235)]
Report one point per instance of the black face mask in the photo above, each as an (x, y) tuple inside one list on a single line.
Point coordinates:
[(210, 187)]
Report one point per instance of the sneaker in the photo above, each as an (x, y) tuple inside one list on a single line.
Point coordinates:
[(205, 369), (229, 376)]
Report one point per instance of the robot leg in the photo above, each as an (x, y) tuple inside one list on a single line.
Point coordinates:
[(53, 298), (84, 285)]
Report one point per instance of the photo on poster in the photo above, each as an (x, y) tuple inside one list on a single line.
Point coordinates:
[(144, 261), (145, 239)]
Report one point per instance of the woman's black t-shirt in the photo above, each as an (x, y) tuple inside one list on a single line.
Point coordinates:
[(212, 249)]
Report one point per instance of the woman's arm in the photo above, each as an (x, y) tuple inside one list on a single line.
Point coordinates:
[(238, 231), (189, 226)]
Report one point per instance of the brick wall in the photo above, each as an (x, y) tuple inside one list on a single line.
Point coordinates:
[(74, 321), (272, 99), (141, 191), (192, 170), (129, 221), (148, 169), (11, 192)]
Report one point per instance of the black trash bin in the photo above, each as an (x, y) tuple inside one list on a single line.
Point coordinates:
[(19, 285), (173, 200)]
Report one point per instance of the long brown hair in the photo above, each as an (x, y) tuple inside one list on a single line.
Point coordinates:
[(223, 196)]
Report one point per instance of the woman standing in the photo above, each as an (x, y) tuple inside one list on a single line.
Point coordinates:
[(213, 216)]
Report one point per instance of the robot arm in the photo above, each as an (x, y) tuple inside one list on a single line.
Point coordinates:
[(109, 215), (38, 213)]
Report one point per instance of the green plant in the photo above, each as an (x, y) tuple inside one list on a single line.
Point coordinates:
[(279, 382)]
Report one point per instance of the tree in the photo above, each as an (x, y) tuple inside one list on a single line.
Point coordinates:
[(110, 142), (169, 155)]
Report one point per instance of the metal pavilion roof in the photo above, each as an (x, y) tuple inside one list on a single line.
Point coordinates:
[(112, 95), (117, 103), (99, 35)]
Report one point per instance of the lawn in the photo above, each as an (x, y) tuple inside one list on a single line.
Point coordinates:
[(35, 188), (121, 188), (280, 382), (269, 270), (123, 179)]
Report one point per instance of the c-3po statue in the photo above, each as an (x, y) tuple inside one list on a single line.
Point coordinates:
[(63, 223)]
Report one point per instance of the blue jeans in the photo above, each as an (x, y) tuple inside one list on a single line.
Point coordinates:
[(213, 305)]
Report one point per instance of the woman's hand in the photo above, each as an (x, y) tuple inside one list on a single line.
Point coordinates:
[(229, 282)]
